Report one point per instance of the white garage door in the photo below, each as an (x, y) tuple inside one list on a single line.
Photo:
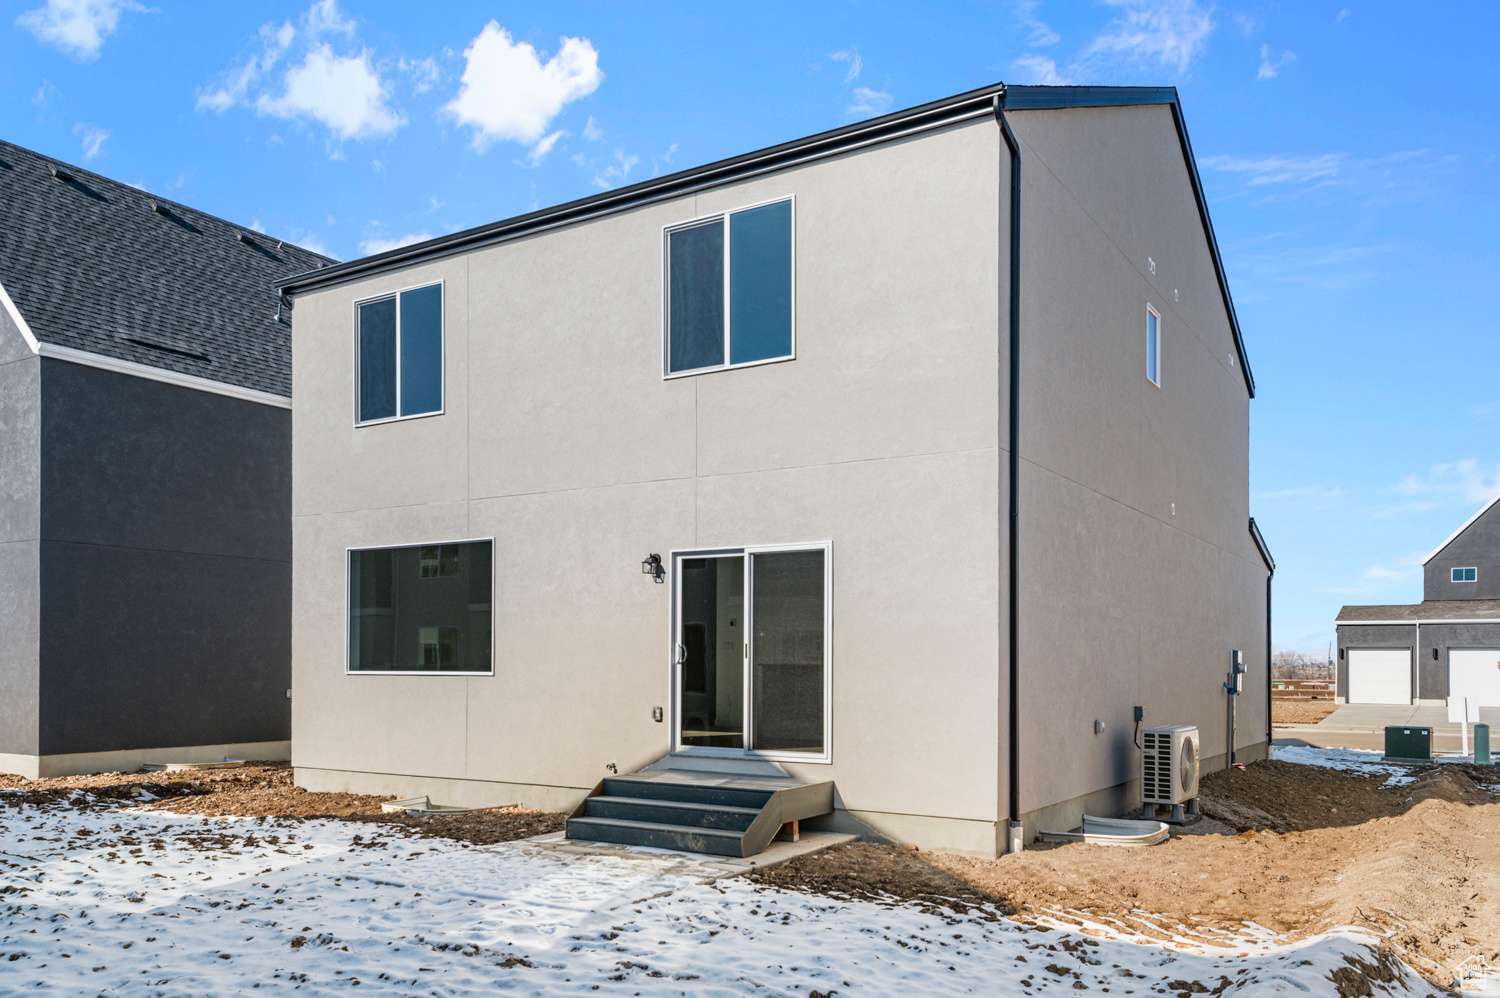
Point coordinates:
[(1380, 675), (1472, 673)]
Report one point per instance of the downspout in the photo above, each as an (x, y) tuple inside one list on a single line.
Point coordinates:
[(1013, 832), (1269, 576)]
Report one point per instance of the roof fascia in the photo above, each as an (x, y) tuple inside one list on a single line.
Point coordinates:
[(19, 320), (1054, 98), (1467, 524), (103, 363), (1260, 544), (937, 114)]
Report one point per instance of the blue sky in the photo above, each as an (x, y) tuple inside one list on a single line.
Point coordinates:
[(1350, 152)]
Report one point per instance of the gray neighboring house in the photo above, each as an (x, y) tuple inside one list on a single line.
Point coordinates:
[(1445, 646), (145, 477), (789, 376)]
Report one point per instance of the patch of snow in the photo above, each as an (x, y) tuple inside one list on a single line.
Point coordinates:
[(1365, 761), (144, 903)]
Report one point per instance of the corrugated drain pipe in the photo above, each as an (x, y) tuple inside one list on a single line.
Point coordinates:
[(1013, 832)]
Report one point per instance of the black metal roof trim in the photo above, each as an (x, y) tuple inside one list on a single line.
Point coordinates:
[(933, 114), (1260, 543)]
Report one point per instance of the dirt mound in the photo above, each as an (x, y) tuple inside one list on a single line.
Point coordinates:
[(266, 790), (884, 874)]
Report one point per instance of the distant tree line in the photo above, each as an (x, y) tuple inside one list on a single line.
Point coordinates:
[(1295, 665)]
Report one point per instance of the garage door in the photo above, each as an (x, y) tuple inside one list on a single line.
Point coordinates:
[(1380, 675), (1472, 673)]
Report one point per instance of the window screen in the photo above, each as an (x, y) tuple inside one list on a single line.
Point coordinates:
[(746, 257), (787, 596), (421, 609), (401, 355)]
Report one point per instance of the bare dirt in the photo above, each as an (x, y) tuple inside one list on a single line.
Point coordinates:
[(265, 790), (1315, 849), (1292, 711)]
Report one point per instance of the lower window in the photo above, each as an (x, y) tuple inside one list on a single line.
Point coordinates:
[(424, 608)]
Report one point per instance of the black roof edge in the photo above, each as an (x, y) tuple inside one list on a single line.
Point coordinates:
[(1022, 98), (934, 113), (1260, 543)]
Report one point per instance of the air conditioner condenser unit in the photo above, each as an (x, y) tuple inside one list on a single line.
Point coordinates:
[(1169, 771)]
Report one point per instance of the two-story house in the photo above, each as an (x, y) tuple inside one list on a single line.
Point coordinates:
[(1443, 650), (908, 457), (145, 478)]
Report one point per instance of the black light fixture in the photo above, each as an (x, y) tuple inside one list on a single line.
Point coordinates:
[(1434, 654), (651, 565)]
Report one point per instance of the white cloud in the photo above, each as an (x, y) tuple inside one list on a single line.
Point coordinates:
[(849, 55), (309, 241), (508, 93), (1166, 33), (1342, 14), (1039, 70), (538, 152), (340, 90), (344, 93), (1278, 169), (617, 172), (424, 71), (1041, 32), (1246, 24), (255, 226), (1466, 480), (869, 102), (77, 27), (1268, 69), (380, 244), (1389, 512), (592, 131), (93, 138)]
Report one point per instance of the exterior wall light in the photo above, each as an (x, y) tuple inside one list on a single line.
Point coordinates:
[(651, 566)]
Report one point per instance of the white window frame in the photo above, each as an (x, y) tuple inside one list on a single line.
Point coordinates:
[(1153, 346), (442, 366), (666, 290), (494, 558), (1454, 572), (675, 734)]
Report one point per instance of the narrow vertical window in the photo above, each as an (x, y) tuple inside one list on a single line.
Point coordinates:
[(729, 289), (1153, 346), (401, 355)]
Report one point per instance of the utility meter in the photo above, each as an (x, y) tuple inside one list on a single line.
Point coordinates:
[(1237, 670)]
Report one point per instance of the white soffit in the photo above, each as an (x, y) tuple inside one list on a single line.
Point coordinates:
[(1467, 524), (103, 363)]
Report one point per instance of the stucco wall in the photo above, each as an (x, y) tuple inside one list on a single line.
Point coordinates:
[(1138, 570), (165, 565), (20, 533), (562, 440), (1478, 547)]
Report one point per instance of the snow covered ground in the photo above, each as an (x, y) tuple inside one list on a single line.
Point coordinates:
[(1353, 760), (148, 903)]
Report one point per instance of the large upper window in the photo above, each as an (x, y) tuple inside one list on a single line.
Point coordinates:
[(729, 289), (421, 609), (401, 355)]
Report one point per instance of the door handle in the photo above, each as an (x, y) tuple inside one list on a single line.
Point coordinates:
[(681, 653)]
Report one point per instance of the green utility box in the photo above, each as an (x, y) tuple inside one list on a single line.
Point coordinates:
[(1481, 744), (1408, 744)]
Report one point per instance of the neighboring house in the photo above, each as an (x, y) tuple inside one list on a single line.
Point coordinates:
[(1440, 650), (788, 375), (145, 477)]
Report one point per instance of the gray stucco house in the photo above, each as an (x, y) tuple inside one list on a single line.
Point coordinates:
[(145, 477), (901, 461), (1443, 649)]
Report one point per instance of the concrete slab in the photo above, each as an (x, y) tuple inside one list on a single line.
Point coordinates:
[(691, 864)]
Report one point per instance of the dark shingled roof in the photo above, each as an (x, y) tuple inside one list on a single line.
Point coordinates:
[(90, 265), (1433, 609)]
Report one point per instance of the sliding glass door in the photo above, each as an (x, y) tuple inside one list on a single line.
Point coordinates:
[(751, 651)]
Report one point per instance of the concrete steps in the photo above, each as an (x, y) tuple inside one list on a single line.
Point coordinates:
[(722, 814)]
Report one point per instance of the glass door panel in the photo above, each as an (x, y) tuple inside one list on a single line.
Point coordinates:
[(787, 650), (710, 652)]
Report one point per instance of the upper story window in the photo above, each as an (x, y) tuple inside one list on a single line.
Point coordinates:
[(1153, 346), (401, 355), (729, 289), (1465, 574)]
